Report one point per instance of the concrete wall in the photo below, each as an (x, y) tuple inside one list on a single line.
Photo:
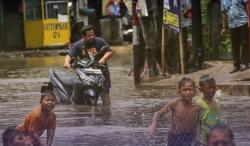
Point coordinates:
[(111, 30), (11, 26), (13, 32)]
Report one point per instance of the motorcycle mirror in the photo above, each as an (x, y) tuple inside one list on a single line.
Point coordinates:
[(63, 53), (103, 49)]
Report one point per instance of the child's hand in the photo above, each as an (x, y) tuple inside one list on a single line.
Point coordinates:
[(151, 129), (29, 141), (19, 128)]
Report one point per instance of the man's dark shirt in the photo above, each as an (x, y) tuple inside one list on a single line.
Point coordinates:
[(82, 49)]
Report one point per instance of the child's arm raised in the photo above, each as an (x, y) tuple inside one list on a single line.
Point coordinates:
[(51, 129), (158, 114)]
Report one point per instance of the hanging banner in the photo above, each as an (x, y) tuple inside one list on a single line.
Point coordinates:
[(186, 13), (111, 7), (171, 9), (177, 13)]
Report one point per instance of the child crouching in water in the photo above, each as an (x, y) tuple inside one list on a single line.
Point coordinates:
[(185, 115), (41, 118), (210, 114)]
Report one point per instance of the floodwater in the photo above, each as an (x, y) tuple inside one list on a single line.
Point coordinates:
[(123, 124)]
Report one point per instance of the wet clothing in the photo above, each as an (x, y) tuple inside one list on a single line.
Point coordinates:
[(236, 11), (36, 122), (82, 49), (239, 38), (183, 139), (237, 19), (209, 117)]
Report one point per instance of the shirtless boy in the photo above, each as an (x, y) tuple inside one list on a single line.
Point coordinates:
[(185, 115)]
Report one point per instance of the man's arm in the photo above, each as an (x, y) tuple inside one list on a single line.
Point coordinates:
[(67, 61), (73, 52), (247, 5), (248, 12), (106, 57), (224, 23)]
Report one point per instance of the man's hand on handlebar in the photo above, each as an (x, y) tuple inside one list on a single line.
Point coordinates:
[(67, 65), (102, 61)]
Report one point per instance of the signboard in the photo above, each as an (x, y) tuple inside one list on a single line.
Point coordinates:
[(177, 13), (111, 7), (171, 10), (141, 8)]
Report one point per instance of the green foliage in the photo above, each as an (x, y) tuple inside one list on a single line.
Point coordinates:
[(224, 43), (225, 47)]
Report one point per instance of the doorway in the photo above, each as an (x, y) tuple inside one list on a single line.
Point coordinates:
[(12, 25)]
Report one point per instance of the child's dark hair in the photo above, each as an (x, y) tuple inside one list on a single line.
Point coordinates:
[(9, 135), (85, 29), (45, 91), (205, 78), (184, 81), (223, 128)]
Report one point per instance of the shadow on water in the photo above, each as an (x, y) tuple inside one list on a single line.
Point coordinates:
[(123, 124)]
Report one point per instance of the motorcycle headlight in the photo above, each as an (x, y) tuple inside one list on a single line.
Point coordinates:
[(88, 83)]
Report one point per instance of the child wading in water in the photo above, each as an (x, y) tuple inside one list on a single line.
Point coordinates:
[(41, 118), (210, 114), (12, 137), (185, 115), (220, 135)]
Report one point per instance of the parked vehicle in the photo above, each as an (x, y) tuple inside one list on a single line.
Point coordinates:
[(83, 87), (48, 20)]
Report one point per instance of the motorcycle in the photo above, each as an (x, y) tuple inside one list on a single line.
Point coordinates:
[(83, 87)]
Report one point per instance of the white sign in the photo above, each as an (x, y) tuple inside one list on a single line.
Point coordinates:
[(141, 8), (62, 18)]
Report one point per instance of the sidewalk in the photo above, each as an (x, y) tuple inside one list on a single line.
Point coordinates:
[(232, 84)]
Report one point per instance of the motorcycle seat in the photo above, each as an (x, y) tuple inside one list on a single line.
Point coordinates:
[(64, 77)]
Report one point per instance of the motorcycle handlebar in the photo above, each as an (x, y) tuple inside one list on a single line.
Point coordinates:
[(94, 63)]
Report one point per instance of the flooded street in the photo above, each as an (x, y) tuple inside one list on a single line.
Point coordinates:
[(123, 124)]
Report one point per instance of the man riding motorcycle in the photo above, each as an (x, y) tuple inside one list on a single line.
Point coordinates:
[(87, 47)]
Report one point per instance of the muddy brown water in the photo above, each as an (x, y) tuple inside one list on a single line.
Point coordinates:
[(123, 124)]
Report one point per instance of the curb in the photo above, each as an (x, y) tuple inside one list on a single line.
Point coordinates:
[(237, 84)]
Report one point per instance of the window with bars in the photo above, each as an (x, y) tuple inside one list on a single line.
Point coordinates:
[(55, 8), (33, 9)]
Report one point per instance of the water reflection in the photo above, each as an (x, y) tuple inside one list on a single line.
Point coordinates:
[(123, 124)]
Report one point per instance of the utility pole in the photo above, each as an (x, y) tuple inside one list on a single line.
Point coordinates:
[(248, 5), (214, 26), (197, 37), (1, 27), (136, 45)]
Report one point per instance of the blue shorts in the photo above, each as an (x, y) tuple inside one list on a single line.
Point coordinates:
[(183, 139)]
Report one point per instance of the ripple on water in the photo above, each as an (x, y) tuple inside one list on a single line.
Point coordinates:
[(123, 124)]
